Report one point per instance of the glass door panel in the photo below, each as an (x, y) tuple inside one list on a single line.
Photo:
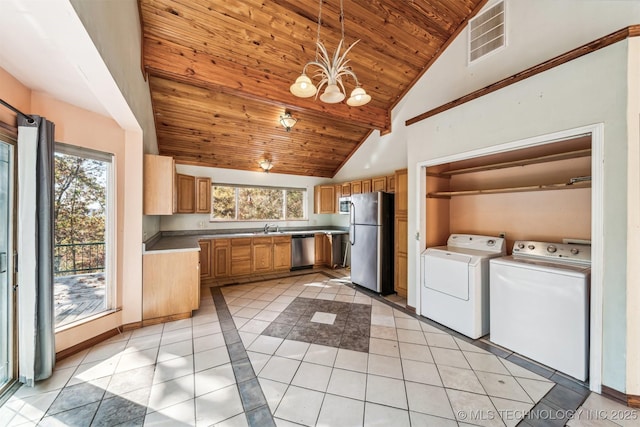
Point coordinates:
[(6, 285)]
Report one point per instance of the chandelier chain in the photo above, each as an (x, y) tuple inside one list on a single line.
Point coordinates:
[(319, 25)]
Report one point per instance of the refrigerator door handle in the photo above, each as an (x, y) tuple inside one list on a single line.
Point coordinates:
[(352, 228)]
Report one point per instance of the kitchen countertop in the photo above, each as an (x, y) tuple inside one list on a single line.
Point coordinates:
[(182, 241)]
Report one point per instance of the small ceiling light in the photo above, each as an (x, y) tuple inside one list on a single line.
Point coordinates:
[(288, 121), (331, 70), (266, 165)]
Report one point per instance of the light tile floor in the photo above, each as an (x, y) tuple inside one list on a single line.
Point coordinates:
[(415, 374)]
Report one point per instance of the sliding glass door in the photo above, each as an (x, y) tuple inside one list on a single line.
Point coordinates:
[(6, 270)]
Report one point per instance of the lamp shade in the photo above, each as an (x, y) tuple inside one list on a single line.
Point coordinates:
[(266, 165), (332, 94), (358, 97), (288, 121), (303, 87)]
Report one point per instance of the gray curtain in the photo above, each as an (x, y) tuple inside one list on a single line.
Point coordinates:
[(35, 249)]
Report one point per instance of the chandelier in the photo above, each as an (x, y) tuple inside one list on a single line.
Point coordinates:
[(330, 70)]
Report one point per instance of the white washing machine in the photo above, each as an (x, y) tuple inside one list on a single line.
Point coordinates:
[(455, 282), (540, 304)]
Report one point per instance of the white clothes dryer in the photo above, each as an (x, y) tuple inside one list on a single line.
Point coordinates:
[(455, 282)]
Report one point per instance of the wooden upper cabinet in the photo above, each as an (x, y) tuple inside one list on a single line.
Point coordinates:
[(203, 195), (186, 185), (366, 186), (346, 189), (402, 192), (324, 199), (356, 187), (391, 183), (338, 194), (379, 183), (159, 175)]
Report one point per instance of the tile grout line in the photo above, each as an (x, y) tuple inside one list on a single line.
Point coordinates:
[(257, 413)]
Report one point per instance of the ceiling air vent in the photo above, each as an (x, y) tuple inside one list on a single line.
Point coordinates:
[(486, 32)]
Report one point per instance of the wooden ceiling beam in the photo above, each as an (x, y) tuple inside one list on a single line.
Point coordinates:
[(199, 69)]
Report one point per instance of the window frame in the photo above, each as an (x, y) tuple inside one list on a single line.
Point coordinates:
[(237, 187), (110, 227)]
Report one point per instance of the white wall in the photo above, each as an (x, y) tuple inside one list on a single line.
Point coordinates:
[(117, 35), (230, 176), (585, 91)]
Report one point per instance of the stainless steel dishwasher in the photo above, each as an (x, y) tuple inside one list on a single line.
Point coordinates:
[(303, 251)]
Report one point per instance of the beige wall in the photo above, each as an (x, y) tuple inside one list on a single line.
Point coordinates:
[(79, 127)]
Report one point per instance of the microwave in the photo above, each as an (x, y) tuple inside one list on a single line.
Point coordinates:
[(344, 205)]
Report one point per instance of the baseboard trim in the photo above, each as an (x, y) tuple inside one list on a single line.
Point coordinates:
[(164, 319), (411, 309), (86, 344), (626, 399), (131, 326)]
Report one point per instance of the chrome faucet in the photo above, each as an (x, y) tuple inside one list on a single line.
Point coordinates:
[(268, 226)]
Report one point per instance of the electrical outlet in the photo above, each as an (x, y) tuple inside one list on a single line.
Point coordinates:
[(502, 234)]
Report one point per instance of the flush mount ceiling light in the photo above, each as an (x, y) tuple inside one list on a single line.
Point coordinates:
[(288, 121), (331, 70), (266, 165)]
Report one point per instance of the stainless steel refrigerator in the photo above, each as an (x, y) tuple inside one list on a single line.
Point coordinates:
[(371, 238)]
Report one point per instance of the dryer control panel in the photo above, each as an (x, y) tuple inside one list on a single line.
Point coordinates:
[(556, 251), (477, 243)]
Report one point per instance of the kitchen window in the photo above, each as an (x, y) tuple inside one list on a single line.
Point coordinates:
[(245, 203)]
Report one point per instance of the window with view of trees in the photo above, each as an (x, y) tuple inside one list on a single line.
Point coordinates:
[(240, 203), (82, 285)]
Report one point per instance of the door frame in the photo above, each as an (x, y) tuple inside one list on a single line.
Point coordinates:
[(596, 131), (11, 140)]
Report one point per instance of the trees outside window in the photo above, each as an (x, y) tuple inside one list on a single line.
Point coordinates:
[(241, 203)]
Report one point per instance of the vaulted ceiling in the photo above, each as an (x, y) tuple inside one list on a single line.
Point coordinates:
[(220, 71)]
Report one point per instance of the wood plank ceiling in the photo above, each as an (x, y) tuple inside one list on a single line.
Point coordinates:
[(219, 73)]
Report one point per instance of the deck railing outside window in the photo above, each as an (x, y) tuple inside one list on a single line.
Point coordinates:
[(77, 258)]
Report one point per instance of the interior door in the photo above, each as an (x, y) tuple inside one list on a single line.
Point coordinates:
[(6, 276)]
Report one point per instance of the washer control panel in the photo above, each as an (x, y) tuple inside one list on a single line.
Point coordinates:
[(557, 251)]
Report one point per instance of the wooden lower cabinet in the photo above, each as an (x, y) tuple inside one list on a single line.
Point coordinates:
[(221, 258), (240, 256), (205, 259), (282, 253), (262, 255), (170, 284), (323, 248)]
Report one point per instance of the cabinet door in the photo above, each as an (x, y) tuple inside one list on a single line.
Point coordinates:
[(159, 177), (203, 195), (325, 199), (240, 256), (346, 189), (391, 184), (402, 192), (262, 255), (205, 259), (366, 186), (379, 183), (401, 245), (221, 258), (356, 187), (337, 195), (319, 249), (282, 253), (186, 186)]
